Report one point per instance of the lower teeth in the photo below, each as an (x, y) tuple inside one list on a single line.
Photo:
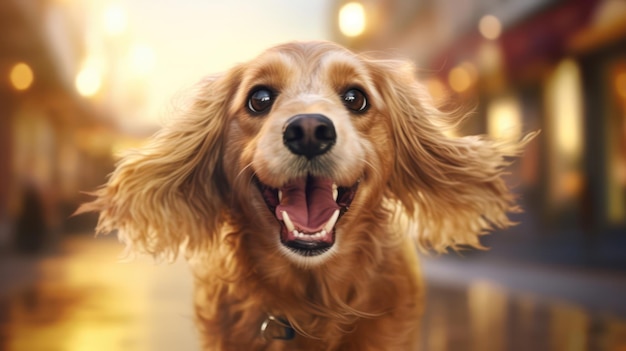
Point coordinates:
[(301, 235)]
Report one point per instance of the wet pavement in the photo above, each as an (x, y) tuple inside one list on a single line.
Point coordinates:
[(83, 298)]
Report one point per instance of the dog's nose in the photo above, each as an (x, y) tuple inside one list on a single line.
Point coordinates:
[(309, 135)]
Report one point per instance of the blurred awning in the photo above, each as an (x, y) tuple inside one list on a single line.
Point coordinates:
[(531, 43), (607, 28)]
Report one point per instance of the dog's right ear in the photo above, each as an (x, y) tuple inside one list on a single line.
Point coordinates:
[(171, 191), (451, 189)]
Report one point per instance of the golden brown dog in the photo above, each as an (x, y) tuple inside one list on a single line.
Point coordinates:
[(297, 185)]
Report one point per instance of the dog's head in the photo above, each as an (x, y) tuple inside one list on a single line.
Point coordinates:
[(311, 151)]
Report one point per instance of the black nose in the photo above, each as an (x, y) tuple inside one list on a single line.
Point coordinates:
[(309, 135)]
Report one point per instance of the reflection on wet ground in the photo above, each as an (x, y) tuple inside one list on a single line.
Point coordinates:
[(84, 299), (485, 317)]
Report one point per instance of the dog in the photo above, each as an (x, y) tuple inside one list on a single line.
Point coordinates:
[(299, 186)]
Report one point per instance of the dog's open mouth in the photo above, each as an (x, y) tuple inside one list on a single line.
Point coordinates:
[(308, 209)]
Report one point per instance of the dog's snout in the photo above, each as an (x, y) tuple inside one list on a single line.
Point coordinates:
[(309, 135)]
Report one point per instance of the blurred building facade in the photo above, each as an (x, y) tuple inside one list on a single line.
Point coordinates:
[(53, 142), (552, 65)]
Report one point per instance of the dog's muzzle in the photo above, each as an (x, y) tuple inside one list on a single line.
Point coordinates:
[(308, 207)]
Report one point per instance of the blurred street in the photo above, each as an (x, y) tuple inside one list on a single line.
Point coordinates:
[(81, 298)]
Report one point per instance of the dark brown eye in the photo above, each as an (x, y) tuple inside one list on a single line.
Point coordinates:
[(260, 100), (355, 100)]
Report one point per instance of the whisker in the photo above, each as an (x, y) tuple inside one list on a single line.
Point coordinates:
[(372, 167), (241, 172)]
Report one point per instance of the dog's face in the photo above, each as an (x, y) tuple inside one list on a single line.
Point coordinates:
[(307, 127), (313, 152)]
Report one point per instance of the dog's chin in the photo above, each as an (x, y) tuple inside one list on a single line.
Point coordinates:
[(308, 210)]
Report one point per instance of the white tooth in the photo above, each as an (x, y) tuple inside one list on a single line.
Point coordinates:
[(280, 195), (335, 192), (331, 222), (288, 222), (323, 233), (296, 234)]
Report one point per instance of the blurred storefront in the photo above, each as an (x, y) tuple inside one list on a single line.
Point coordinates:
[(53, 142), (554, 65)]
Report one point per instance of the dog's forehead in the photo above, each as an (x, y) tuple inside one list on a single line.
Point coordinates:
[(303, 70), (305, 66)]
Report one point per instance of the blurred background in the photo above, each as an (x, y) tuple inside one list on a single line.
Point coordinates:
[(82, 80)]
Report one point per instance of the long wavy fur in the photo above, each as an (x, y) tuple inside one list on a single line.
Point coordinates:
[(192, 187), (450, 190), (171, 192)]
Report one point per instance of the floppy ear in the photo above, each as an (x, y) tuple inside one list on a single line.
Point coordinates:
[(170, 192), (451, 190)]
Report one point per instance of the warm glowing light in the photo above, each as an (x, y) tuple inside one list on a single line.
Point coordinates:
[(462, 77), (490, 27), (564, 123), (437, 90), (115, 20), (142, 59), (21, 76), (88, 81), (504, 119), (565, 109), (352, 19)]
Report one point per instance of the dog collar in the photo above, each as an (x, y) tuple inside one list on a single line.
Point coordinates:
[(276, 328)]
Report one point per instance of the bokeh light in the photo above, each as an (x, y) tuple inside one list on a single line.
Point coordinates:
[(88, 81), (352, 19), (504, 119), (462, 77), (115, 20), (564, 102), (437, 89), (21, 76), (490, 27)]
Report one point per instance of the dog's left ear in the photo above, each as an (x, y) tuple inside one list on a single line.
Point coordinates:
[(171, 191), (451, 189)]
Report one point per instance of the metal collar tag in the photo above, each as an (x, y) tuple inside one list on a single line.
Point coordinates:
[(287, 332)]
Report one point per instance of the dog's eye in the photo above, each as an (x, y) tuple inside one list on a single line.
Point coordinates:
[(260, 100), (355, 100)]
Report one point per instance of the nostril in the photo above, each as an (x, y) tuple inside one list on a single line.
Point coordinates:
[(293, 133), (309, 135), (326, 133)]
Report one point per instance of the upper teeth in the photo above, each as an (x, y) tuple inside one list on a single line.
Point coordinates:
[(288, 222), (332, 221)]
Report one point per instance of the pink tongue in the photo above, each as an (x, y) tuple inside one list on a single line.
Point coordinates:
[(309, 203)]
